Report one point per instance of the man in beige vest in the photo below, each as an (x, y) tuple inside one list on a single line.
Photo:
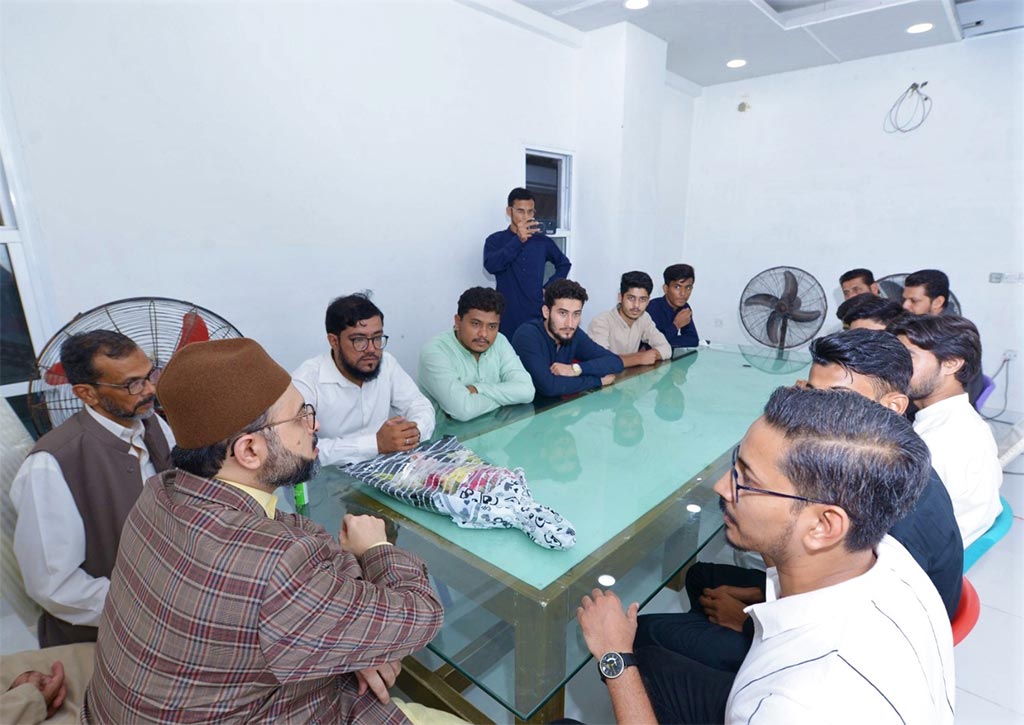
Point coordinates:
[(76, 487)]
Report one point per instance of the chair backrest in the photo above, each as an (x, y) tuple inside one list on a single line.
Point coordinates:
[(967, 612), (986, 391), (16, 443), (987, 540)]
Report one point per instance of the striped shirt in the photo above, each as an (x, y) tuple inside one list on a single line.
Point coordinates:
[(874, 649), (218, 613)]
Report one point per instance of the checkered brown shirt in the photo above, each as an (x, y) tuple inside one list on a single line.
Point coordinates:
[(217, 613)]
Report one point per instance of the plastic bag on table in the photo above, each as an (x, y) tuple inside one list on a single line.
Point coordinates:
[(448, 478)]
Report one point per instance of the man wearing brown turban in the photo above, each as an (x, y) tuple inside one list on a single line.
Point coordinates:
[(222, 608)]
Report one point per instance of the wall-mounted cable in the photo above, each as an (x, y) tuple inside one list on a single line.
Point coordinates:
[(909, 111)]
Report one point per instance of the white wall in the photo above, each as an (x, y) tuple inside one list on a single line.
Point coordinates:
[(262, 158), (808, 178)]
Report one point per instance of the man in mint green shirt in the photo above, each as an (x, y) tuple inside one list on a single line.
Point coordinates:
[(473, 369)]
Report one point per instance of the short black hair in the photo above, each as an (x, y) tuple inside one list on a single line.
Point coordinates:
[(852, 452), (875, 354), (519, 194), (636, 279), (676, 272), (859, 273), (78, 352), (348, 311), (564, 289), (205, 462), (484, 299), (869, 307), (934, 281), (947, 337)]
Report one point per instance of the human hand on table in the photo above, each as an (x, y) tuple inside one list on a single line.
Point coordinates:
[(52, 686), (607, 379), (606, 627), (397, 434), (379, 679), (359, 533), (724, 605), (563, 369)]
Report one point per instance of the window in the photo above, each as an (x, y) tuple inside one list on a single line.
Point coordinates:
[(19, 325), (549, 177)]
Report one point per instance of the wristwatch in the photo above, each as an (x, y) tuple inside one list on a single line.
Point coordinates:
[(613, 664), (576, 368)]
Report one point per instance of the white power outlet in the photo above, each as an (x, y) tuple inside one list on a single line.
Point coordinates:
[(1009, 354)]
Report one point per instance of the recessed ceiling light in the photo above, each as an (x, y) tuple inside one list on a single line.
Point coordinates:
[(920, 28), (636, 4), (606, 580), (736, 63)]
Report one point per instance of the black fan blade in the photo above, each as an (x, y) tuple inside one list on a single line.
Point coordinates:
[(789, 295), (765, 300), (890, 290), (804, 315), (774, 327)]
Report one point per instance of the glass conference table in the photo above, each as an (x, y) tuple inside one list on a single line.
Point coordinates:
[(631, 466)]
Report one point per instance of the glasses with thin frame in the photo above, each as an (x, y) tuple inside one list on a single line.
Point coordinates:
[(136, 386), (308, 411), (737, 486), (360, 343)]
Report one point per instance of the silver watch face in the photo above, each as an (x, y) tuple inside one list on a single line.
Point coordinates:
[(611, 664)]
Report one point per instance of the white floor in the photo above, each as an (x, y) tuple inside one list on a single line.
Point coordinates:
[(989, 663)]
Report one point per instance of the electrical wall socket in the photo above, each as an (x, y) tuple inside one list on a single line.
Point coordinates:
[(1009, 354)]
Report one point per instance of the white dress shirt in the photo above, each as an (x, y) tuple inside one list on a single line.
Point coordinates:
[(49, 536), (966, 457), (875, 649), (350, 415)]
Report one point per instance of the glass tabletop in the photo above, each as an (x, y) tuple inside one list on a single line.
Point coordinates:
[(630, 465)]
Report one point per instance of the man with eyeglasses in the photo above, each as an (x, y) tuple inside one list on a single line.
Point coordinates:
[(76, 487), (224, 609), (852, 630), (367, 403)]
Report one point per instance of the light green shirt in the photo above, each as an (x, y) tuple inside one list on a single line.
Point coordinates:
[(446, 368)]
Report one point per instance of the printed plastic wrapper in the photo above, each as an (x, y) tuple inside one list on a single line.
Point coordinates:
[(448, 478)]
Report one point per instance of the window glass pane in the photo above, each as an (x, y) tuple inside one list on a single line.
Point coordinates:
[(542, 177), (17, 358), (20, 405)]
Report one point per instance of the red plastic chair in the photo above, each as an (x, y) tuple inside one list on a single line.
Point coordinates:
[(967, 612)]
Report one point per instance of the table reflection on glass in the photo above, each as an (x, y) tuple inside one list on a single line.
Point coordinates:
[(630, 465)]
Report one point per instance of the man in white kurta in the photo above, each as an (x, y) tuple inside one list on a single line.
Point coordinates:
[(365, 402)]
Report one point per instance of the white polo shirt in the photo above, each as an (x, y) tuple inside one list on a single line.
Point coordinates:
[(874, 649)]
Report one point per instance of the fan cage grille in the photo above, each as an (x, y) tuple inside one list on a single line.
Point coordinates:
[(156, 324)]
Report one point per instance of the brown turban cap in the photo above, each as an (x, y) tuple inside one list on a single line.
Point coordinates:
[(212, 390)]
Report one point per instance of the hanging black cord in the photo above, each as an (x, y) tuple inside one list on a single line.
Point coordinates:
[(909, 111)]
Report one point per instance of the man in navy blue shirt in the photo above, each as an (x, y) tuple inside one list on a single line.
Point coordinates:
[(672, 313), (559, 356), (516, 257)]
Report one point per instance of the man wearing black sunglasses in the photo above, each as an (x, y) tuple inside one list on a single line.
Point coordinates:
[(81, 479), (367, 403)]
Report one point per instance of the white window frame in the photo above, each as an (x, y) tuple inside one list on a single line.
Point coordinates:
[(566, 191), (13, 235)]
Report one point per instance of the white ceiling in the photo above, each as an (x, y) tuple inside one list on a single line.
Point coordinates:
[(774, 36)]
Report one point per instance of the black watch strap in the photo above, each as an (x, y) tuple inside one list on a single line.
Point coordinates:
[(628, 660)]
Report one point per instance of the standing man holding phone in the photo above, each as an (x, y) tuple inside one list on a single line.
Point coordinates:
[(516, 257)]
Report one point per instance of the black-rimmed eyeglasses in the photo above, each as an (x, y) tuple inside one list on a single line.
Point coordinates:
[(736, 486), (136, 386), (360, 343)]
